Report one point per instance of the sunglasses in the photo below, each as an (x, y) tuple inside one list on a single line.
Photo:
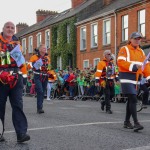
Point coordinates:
[(108, 54)]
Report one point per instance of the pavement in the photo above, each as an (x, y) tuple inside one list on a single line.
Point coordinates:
[(77, 125)]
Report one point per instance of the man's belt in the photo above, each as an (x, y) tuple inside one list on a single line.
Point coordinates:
[(40, 73), (15, 70), (108, 78), (11, 70)]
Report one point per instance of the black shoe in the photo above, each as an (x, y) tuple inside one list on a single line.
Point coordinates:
[(40, 111), (108, 111), (137, 127), (22, 138), (128, 125), (102, 107), (144, 106), (2, 139)]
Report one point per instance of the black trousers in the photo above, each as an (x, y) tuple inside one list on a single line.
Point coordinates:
[(131, 108), (145, 94), (40, 87), (109, 93), (16, 101)]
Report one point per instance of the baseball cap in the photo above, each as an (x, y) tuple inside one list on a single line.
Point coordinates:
[(135, 35)]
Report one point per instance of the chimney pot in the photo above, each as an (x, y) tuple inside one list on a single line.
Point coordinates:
[(20, 26)]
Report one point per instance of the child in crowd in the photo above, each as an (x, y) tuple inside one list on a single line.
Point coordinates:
[(117, 92), (32, 89)]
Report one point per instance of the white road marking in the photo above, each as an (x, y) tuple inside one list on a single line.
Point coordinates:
[(67, 108), (73, 125), (139, 148)]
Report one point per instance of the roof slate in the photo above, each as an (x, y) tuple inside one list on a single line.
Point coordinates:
[(55, 19), (115, 5)]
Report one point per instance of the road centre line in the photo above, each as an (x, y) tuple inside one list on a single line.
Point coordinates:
[(73, 125)]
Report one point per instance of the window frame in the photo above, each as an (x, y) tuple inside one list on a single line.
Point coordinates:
[(141, 24), (68, 33), (39, 42), (124, 38), (30, 50), (47, 40), (59, 62), (81, 35), (104, 28), (86, 60), (93, 36), (24, 47)]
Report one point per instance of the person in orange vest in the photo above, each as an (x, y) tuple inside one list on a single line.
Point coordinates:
[(39, 63), (130, 60), (13, 74), (50, 83), (104, 77)]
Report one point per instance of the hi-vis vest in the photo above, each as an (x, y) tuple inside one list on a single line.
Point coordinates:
[(44, 67), (8, 46), (127, 59), (105, 70)]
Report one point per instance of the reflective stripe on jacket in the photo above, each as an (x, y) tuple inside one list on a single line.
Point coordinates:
[(127, 59), (34, 58), (6, 45), (102, 69)]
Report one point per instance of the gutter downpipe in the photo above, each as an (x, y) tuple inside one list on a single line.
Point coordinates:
[(115, 36)]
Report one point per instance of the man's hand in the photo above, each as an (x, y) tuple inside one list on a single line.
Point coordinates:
[(138, 66), (96, 84)]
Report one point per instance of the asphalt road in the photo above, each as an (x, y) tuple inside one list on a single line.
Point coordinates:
[(77, 125)]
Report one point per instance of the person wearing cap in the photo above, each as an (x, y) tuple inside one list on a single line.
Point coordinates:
[(104, 77), (130, 60)]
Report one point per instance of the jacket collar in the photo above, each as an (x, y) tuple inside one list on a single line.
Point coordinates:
[(132, 48), (14, 38)]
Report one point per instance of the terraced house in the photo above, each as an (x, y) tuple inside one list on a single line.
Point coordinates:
[(78, 36)]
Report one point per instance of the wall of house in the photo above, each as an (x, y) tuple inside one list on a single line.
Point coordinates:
[(90, 54), (133, 23), (76, 3), (28, 55)]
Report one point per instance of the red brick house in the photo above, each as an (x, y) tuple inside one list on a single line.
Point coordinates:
[(78, 36), (32, 36), (57, 31), (109, 28)]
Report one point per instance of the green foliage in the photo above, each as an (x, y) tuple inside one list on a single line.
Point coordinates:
[(60, 47)]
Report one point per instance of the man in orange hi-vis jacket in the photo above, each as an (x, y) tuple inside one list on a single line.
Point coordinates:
[(39, 63), (13, 74), (130, 61), (104, 77)]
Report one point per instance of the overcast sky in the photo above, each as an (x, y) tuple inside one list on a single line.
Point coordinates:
[(25, 10)]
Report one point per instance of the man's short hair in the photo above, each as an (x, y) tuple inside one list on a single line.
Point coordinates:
[(106, 52)]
